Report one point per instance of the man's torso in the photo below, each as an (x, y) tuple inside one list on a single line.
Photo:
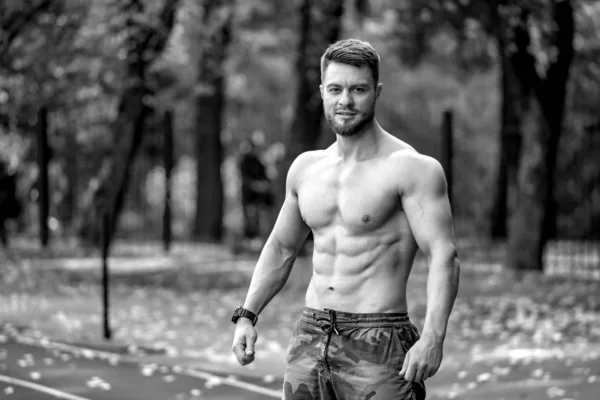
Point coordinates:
[(363, 245)]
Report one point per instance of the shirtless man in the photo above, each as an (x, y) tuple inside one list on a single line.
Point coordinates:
[(368, 199)]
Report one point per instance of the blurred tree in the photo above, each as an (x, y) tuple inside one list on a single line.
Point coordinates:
[(261, 62), (34, 80), (534, 43), (16, 22), (74, 53), (210, 96), (510, 134), (320, 25), (543, 98), (15, 19), (578, 195), (146, 37), (461, 33)]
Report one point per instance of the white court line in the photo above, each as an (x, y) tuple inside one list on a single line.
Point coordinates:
[(40, 388), (233, 382), (65, 347), (188, 371)]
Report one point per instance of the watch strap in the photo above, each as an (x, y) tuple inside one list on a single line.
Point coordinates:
[(242, 312)]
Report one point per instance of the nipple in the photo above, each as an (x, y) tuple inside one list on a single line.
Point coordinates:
[(366, 218)]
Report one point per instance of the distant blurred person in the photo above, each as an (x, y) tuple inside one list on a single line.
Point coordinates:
[(257, 197), (10, 207)]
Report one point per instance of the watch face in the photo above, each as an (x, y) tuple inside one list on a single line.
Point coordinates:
[(236, 314)]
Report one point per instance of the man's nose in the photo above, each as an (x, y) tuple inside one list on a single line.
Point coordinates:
[(345, 99)]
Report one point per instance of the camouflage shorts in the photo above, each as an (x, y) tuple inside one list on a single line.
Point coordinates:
[(344, 356)]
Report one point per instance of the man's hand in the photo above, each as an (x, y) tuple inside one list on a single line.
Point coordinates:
[(423, 360), (244, 339)]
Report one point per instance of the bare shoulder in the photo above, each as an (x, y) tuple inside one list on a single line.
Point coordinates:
[(418, 171), (301, 164), (412, 161), (305, 159)]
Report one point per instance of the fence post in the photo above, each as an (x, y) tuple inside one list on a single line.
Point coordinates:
[(447, 151), (43, 158), (105, 281), (168, 164)]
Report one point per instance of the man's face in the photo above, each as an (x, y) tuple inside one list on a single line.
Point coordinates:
[(349, 96)]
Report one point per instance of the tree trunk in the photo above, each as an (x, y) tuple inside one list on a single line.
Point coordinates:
[(108, 195), (320, 26), (71, 201), (525, 247), (168, 162), (209, 109), (43, 182), (554, 98), (510, 133), (534, 221), (510, 144), (132, 129)]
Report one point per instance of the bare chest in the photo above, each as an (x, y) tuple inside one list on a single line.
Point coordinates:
[(359, 199)]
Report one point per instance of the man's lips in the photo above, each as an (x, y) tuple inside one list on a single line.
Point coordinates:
[(346, 113)]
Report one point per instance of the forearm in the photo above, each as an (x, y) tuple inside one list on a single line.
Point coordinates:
[(270, 275), (442, 287)]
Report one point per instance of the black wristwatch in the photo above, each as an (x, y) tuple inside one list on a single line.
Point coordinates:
[(242, 312)]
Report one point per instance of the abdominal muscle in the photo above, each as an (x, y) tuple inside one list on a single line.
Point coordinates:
[(360, 275)]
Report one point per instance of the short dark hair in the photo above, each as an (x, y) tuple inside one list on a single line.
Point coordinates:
[(353, 52)]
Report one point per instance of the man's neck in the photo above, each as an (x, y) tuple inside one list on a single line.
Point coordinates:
[(361, 146)]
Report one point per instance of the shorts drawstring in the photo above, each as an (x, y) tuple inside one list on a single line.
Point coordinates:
[(329, 325)]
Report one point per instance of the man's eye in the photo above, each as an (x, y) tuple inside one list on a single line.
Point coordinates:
[(359, 90), (334, 90)]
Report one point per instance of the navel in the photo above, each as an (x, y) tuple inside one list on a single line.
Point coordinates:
[(366, 218), (331, 289)]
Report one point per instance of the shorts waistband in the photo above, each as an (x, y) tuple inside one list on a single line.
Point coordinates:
[(356, 320)]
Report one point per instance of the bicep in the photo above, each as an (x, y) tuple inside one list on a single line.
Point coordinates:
[(428, 210), (290, 230)]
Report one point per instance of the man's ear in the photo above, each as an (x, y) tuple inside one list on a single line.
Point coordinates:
[(321, 90), (378, 89)]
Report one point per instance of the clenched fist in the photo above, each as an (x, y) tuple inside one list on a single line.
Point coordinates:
[(244, 339)]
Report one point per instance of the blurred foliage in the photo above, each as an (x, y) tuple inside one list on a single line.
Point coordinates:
[(72, 55), (466, 36)]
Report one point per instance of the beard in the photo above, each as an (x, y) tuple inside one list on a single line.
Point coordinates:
[(351, 128)]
